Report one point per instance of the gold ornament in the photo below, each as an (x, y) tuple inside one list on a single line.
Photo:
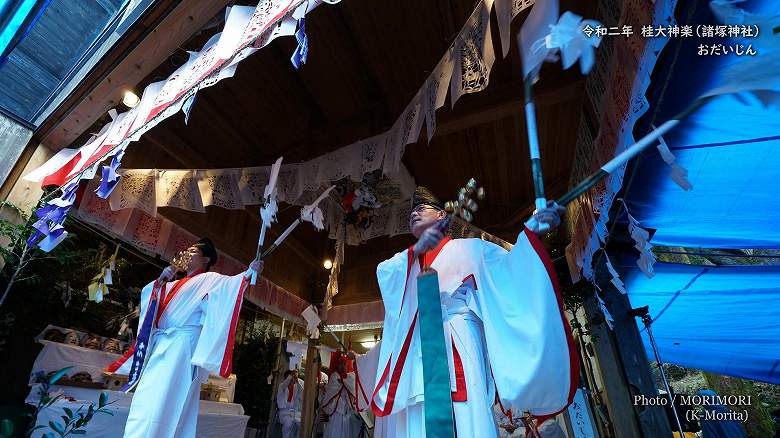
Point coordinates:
[(181, 261), (465, 206)]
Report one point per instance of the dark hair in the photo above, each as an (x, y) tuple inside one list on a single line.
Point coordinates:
[(206, 246), (287, 373)]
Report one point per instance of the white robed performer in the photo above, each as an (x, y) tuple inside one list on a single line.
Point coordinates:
[(367, 363), (338, 402), (504, 327), (190, 335), (289, 399)]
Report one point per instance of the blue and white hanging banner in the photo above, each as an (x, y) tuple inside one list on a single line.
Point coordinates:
[(302, 50), (142, 342)]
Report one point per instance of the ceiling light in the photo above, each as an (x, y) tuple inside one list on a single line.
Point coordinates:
[(327, 264), (130, 99), (368, 344)]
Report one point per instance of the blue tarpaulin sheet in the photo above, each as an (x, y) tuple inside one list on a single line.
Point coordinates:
[(731, 148), (722, 319)]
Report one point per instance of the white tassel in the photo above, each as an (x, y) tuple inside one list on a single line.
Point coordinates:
[(268, 211), (312, 321), (312, 213), (641, 238), (270, 207), (678, 173), (616, 281), (568, 37)]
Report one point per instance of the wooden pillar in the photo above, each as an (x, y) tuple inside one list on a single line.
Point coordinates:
[(309, 390), (615, 392), (632, 355), (281, 364)]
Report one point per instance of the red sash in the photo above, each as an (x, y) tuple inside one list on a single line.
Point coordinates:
[(290, 389), (166, 298)]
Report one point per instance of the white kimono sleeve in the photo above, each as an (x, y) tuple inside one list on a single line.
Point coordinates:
[(517, 299), (365, 377), (391, 277), (214, 351)]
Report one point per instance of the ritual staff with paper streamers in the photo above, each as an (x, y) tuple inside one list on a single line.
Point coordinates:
[(268, 210), (503, 326), (186, 332)]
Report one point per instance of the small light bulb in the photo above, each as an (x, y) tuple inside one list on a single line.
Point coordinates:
[(130, 99), (327, 264)]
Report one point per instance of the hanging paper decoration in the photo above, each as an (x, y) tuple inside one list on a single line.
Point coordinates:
[(473, 54), (313, 320), (110, 178), (434, 92), (302, 49), (616, 89), (333, 280), (616, 281), (678, 173), (187, 107), (533, 35), (642, 244), (49, 231), (506, 10), (465, 68), (98, 289), (567, 36)]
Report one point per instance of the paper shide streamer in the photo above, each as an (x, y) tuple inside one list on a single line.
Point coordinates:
[(49, 231)]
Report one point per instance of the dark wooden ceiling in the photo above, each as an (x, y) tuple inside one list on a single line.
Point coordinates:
[(367, 59)]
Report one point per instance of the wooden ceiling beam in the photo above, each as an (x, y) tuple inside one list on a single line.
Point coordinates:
[(380, 111), (505, 101), (181, 152), (481, 108), (209, 107)]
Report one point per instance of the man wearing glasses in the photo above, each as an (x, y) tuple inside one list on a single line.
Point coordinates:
[(504, 328)]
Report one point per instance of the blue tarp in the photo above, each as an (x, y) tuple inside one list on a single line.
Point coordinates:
[(731, 148), (720, 319)]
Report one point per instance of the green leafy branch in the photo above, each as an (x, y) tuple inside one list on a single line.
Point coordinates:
[(14, 249), (73, 422)]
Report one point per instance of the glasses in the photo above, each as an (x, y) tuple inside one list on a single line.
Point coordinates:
[(422, 207)]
